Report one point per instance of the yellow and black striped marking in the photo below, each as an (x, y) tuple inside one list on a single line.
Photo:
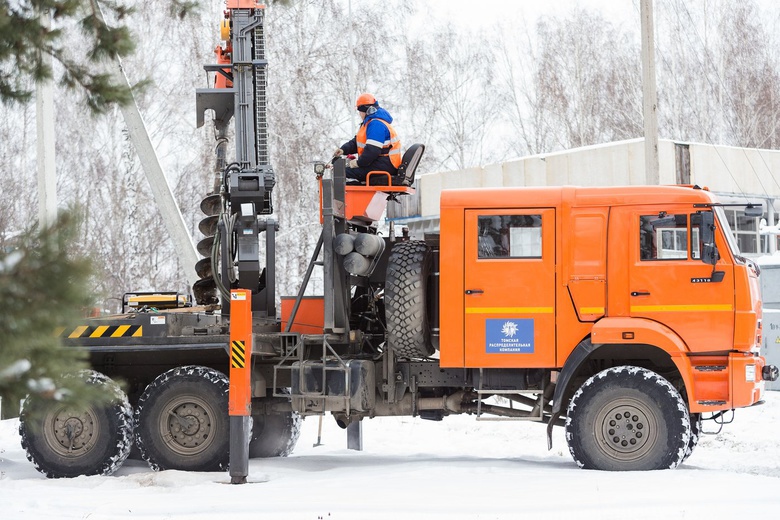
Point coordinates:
[(101, 331), (238, 354)]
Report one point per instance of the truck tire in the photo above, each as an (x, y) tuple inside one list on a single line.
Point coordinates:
[(67, 441), (182, 420), (274, 435), (627, 418), (695, 435), (406, 300)]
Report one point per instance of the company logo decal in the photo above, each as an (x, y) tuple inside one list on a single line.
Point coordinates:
[(509, 329), (509, 336)]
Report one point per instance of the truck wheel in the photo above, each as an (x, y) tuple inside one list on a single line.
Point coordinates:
[(626, 419), (695, 435), (182, 420), (406, 299), (67, 441), (274, 435)]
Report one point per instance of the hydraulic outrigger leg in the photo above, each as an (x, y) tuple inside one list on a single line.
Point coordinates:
[(240, 393)]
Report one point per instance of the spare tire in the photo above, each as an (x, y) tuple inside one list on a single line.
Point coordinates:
[(406, 299)]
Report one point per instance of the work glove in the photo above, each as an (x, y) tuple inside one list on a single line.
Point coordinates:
[(338, 153), (352, 163)]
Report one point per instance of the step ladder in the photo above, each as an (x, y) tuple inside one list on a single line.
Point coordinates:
[(488, 392)]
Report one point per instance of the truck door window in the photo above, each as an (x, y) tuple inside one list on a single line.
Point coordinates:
[(665, 237), (510, 236), (696, 236)]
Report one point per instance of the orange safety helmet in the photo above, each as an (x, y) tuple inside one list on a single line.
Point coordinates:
[(365, 99)]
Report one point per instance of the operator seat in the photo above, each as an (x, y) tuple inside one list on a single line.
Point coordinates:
[(409, 164), (405, 174), (366, 203)]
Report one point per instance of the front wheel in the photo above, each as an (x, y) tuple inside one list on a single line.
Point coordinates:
[(183, 422), (695, 435), (63, 440), (627, 418)]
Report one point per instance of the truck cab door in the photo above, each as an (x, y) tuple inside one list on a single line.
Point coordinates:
[(509, 296), (669, 283)]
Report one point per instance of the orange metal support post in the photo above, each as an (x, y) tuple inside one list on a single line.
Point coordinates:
[(240, 393)]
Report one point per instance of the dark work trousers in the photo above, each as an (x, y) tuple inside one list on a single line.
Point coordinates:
[(381, 164)]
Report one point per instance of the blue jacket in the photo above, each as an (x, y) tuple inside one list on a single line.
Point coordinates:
[(375, 133)]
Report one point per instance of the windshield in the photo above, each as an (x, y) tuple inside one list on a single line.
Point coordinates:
[(724, 224)]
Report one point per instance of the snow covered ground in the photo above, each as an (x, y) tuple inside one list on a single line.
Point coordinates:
[(458, 468)]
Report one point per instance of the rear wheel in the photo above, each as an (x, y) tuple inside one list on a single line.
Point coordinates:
[(406, 299), (183, 421), (274, 435), (64, 440), (626, 419)]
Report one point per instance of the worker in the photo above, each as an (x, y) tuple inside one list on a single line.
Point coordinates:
[(376, 144)]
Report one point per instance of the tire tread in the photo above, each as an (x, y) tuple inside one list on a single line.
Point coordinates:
[(406, 300), (670, 402), (116, 449), (150, 450)]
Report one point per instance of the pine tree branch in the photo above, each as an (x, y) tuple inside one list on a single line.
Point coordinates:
[(43, 286), (25, 40)]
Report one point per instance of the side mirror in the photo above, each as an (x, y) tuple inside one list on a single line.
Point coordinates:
[(709, 254), (754, 211)]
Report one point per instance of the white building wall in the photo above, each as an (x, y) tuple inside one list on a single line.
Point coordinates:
[(736, 170), (722, 169)]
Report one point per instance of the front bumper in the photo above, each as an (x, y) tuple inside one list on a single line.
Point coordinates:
[(734, 380), (747, 378)]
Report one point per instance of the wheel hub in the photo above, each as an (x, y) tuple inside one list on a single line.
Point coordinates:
[(71, 431), (625, 428), (189, 427)]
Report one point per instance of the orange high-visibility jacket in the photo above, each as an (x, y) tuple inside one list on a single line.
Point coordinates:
[(391, 146)]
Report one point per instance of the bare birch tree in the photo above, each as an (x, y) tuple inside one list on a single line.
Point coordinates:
[(750, 78), (689, 96), (718, 81), (589, 78), (451, 97)]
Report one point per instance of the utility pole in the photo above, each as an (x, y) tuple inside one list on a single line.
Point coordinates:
[(649, 97), (150, 164), (44, 116)]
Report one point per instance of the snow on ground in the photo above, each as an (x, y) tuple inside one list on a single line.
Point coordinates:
[(410, 468)]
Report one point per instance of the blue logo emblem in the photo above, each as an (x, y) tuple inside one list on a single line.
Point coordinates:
[(509, 336)]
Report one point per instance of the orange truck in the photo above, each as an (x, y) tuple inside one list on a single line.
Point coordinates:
[(625, 315), (634, 300)]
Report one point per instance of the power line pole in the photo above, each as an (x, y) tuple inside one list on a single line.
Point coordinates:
[(44, 116), (649, 97)]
